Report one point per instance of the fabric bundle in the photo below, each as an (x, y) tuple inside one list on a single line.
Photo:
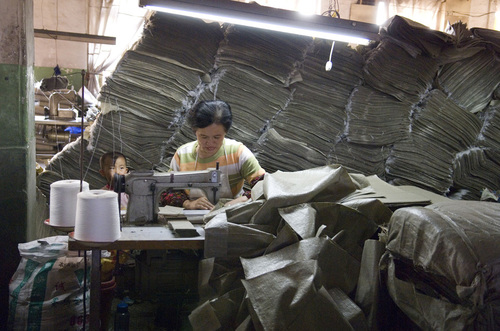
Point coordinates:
[(483, 76), (433, 142), (482, 164), (408, 78)]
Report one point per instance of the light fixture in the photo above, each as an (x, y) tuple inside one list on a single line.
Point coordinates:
[(254, 15)]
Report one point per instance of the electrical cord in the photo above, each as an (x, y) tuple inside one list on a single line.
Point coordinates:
[(329, 64)]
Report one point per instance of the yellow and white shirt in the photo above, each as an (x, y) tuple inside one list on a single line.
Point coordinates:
[(235, 160)]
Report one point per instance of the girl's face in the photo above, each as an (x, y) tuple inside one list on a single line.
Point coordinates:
[(120, 167), (210, 139)]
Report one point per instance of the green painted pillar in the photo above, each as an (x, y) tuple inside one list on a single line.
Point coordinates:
[(17, 138)]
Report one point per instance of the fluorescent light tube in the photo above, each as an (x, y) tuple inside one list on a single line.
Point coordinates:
[(269, 18)]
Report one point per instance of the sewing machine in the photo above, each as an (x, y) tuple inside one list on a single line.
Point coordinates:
[(61, 105), (145, 187)]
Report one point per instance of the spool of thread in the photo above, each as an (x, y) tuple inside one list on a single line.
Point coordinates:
[(63, 197), (97, 216)]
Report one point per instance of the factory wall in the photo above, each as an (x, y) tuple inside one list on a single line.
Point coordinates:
[(17, 147)]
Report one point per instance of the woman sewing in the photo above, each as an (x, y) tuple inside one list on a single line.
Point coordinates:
[(210, 121)]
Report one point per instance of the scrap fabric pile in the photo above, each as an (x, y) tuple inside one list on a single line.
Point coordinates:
[(419, 107)]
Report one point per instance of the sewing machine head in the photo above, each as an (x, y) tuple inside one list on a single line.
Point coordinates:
[(145, 188)]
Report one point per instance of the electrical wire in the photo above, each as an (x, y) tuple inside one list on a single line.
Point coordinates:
[(333, 9), (329, 64)]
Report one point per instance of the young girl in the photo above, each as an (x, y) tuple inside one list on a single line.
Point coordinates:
[(111, 163)]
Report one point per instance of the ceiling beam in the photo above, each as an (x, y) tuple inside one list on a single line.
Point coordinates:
[(72, 36)]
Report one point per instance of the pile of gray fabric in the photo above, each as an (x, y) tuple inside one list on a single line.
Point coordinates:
[(443, 265), (418, 107), (290, 259)]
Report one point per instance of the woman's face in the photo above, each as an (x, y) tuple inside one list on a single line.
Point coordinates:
[(210, 139)]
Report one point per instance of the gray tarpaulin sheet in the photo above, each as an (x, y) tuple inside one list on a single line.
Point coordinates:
[(281, 189), (298, 287), (444, 264), (296, 251)]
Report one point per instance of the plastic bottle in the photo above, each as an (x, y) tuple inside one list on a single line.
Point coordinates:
[(122, 317)]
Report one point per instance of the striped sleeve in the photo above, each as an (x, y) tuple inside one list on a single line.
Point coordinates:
[(250, 167)]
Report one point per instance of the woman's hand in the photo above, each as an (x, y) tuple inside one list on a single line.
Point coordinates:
[(235, 201), (200, 203)]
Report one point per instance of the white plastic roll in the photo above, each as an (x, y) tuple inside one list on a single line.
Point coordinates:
[(97, 216), (63, 197)]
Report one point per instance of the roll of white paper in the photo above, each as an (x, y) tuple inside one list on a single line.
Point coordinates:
[(63, 197), (97, 216)]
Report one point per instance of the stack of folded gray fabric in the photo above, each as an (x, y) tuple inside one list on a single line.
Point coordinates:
[(243, 88), (491, 127), (376, 119), (475, 170), (475, 92), (275, 151), (187, 42), (254, 67), (434, 141), (408, 78), (442, 265), (365, 159), (275, 55), (488, 36), (320, 96), (395, 108), (416, 38)]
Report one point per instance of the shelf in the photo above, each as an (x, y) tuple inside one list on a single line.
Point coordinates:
[(69, 122)]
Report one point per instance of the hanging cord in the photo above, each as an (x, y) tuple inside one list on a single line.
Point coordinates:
[(93, 149), (329, 64), (120, 128), (113, 130), (132, 149)]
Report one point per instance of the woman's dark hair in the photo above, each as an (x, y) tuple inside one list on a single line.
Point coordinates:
[(206, 113)]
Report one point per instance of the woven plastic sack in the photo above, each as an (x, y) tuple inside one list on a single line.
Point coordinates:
[(46, 291), (448, 255)]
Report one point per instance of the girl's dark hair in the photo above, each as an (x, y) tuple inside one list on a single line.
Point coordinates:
[(206, 113)]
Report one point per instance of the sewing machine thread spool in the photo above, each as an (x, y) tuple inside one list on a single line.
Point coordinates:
[(97, 216), (63, 198)]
